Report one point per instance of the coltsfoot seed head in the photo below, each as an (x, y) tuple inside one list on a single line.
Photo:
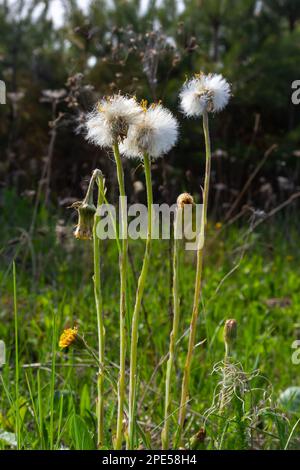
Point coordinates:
[(154, 134), (108, 123), (202, 93)]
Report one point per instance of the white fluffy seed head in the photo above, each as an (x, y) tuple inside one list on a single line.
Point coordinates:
[(155, 134), (209, 93), (111, 118)]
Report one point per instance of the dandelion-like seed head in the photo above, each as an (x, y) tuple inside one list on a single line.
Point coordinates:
[(183, 199), (209, 93), (68, 337), (108, 123), (155, 133)]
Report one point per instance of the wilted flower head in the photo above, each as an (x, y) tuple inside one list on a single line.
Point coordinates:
[(209, 93), (86, 210), (155, 133), (84, 228), (111, 118)]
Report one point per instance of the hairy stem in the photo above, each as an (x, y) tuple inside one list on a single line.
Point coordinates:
[(99, 310), (226, 359), (197, 292), (17, 371), (137, 308), (123, 257), (173, 335)]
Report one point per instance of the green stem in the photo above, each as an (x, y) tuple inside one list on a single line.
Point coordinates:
[(52, 383), (89, 197), (197, 292), (123, 257), (99, 309), (40, 407), (17, 400), (137, 308), (174, 333), (226, 361)]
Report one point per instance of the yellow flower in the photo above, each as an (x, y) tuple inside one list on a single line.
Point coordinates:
[(289, 258), (68, 337), (218, 225)]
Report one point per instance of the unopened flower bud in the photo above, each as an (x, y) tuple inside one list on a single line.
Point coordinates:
[(230, 331), (197, 441), (183, 199)]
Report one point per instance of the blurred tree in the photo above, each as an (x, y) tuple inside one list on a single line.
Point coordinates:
[(148, 49), (289, 9)]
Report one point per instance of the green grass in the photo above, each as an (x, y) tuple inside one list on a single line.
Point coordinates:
[(49, 395)]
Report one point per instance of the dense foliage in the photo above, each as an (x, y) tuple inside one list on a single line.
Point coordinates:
[(55, 291)]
